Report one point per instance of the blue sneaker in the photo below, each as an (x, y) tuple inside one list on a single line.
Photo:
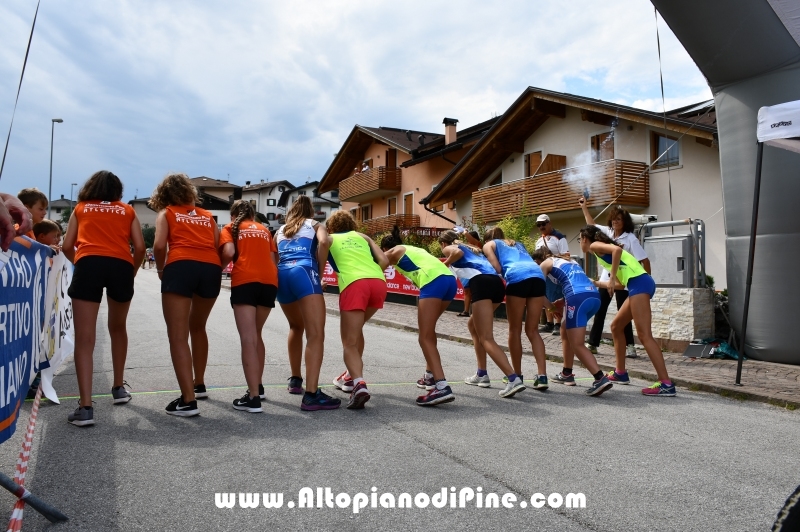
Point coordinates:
[(619, 378), (598, 387), (319, 401), (436, 397), (659, 389), (540, 383), (568, 380)]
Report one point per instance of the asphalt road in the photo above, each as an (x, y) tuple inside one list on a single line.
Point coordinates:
[(695, 462)]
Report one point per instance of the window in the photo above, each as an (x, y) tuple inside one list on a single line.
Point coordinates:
[(301, 192), (408, 204), (354, 214), (334, 193), (366, 212), (270, 216), (270, 203), (532, 162), (281, 188), (602, 147), (294, 198), (497, 180), (391, 206), (660, 143)]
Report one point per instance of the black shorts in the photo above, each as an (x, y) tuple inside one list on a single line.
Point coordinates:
[(533, 287), (254, 294), (93, 273), (487, 286), (191, 277)]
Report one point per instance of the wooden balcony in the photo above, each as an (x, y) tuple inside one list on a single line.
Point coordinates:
[(550, 192), (373, 226), (373, 183)]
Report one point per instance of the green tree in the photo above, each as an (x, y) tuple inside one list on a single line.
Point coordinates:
[(149, 234), (64, 219)]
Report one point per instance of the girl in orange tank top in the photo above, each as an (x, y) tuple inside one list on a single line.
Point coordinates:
[(188, 264), (98, 241)]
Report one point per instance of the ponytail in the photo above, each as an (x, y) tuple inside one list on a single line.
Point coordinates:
[(243, 210), (592, 233), (393, 239)]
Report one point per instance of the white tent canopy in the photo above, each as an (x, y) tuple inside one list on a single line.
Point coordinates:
[(779, 126)]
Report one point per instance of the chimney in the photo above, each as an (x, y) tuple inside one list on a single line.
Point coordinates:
[(450, 134), (62, 196)]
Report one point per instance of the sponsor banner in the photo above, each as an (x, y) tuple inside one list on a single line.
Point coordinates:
[(22, 293), (396, 283), (58, 336)]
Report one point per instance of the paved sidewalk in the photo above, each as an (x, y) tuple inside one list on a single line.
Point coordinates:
[(778, 384)]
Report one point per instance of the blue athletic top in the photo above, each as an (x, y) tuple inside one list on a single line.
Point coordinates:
[(517, 264), (471, 264), (571, 277), (300, 249)]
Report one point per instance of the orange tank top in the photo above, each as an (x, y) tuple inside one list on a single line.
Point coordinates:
[(256, 246), (191, 235), (104, 229)]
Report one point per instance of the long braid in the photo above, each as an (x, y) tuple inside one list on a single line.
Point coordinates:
[(244, 210)]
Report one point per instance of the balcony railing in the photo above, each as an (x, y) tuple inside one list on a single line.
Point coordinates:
[(613, 180), (382, 224), (371, 184)]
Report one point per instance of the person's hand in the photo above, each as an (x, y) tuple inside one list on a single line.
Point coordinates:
[(323, 283), (581, 200), (12, 211), (56, 249), (610, 289), (160, 275)]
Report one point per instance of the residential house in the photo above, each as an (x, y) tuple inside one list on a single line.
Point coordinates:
[(217, 196), (382, 173), (61, 204), (264, 196), (550, 147), (144, 213), (323, 204)]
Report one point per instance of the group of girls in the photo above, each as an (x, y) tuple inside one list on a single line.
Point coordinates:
[(104, 241)]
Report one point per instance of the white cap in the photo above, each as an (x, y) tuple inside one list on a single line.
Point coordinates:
[(542, 218), (458, 229)]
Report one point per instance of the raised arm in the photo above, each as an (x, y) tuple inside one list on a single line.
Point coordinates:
[(585, 209)]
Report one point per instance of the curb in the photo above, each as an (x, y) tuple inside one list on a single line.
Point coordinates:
[(693, 385)]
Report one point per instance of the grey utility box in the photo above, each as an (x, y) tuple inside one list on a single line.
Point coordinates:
[(671, 259)]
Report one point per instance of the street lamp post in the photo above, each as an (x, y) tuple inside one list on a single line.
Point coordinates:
[(71, 189), (50, 188)]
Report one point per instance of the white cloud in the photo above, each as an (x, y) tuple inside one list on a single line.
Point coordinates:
[(269, 90)]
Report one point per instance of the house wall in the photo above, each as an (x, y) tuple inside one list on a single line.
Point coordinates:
[(145, 214), (224, 194), (696, 182), (260, 196)]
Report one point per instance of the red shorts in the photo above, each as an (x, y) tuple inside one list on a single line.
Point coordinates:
[(363, 294)]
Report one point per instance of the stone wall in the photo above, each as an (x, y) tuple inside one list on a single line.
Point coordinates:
[(679, 316)]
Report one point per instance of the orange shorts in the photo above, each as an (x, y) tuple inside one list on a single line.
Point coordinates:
[(363, 294)]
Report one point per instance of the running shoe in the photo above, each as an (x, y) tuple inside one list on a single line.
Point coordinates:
[(630, 352), (344, 382), (547, 328), (82, 416), (619, 378), (200, 391), (427, 382), (295, 385), (659, 389), (599, 386), (260, 392), (319, 401), (540, 383), (120, 394), (505, 378), (481, 382), (557, 331), (247, 403), (592, 348), (436, 397), (358, 397), (179, 408), (568, 380), (512, 388)]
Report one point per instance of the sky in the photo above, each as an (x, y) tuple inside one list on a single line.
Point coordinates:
[(252, 90)]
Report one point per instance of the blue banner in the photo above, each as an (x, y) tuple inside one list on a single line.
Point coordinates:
[(22, 291)]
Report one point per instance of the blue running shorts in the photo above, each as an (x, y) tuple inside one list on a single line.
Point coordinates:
[(641, 284), (297, 282), (580, 307), (443, 287)]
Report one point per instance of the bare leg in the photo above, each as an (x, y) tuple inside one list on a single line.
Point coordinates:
[(483, 315), (313, 310), (428, 313), (480, 352), (576, 339), (351, 325), (534, 306), (249, 321), (176, 314), (198, 316), (622, 319), (639, 306), (117, 330), (515, 308), (566, 348), (296, 330), (85, 316)]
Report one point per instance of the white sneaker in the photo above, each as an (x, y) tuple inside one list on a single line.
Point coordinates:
[(482, 382), (344, 382), (630, 352), (512, 388)]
